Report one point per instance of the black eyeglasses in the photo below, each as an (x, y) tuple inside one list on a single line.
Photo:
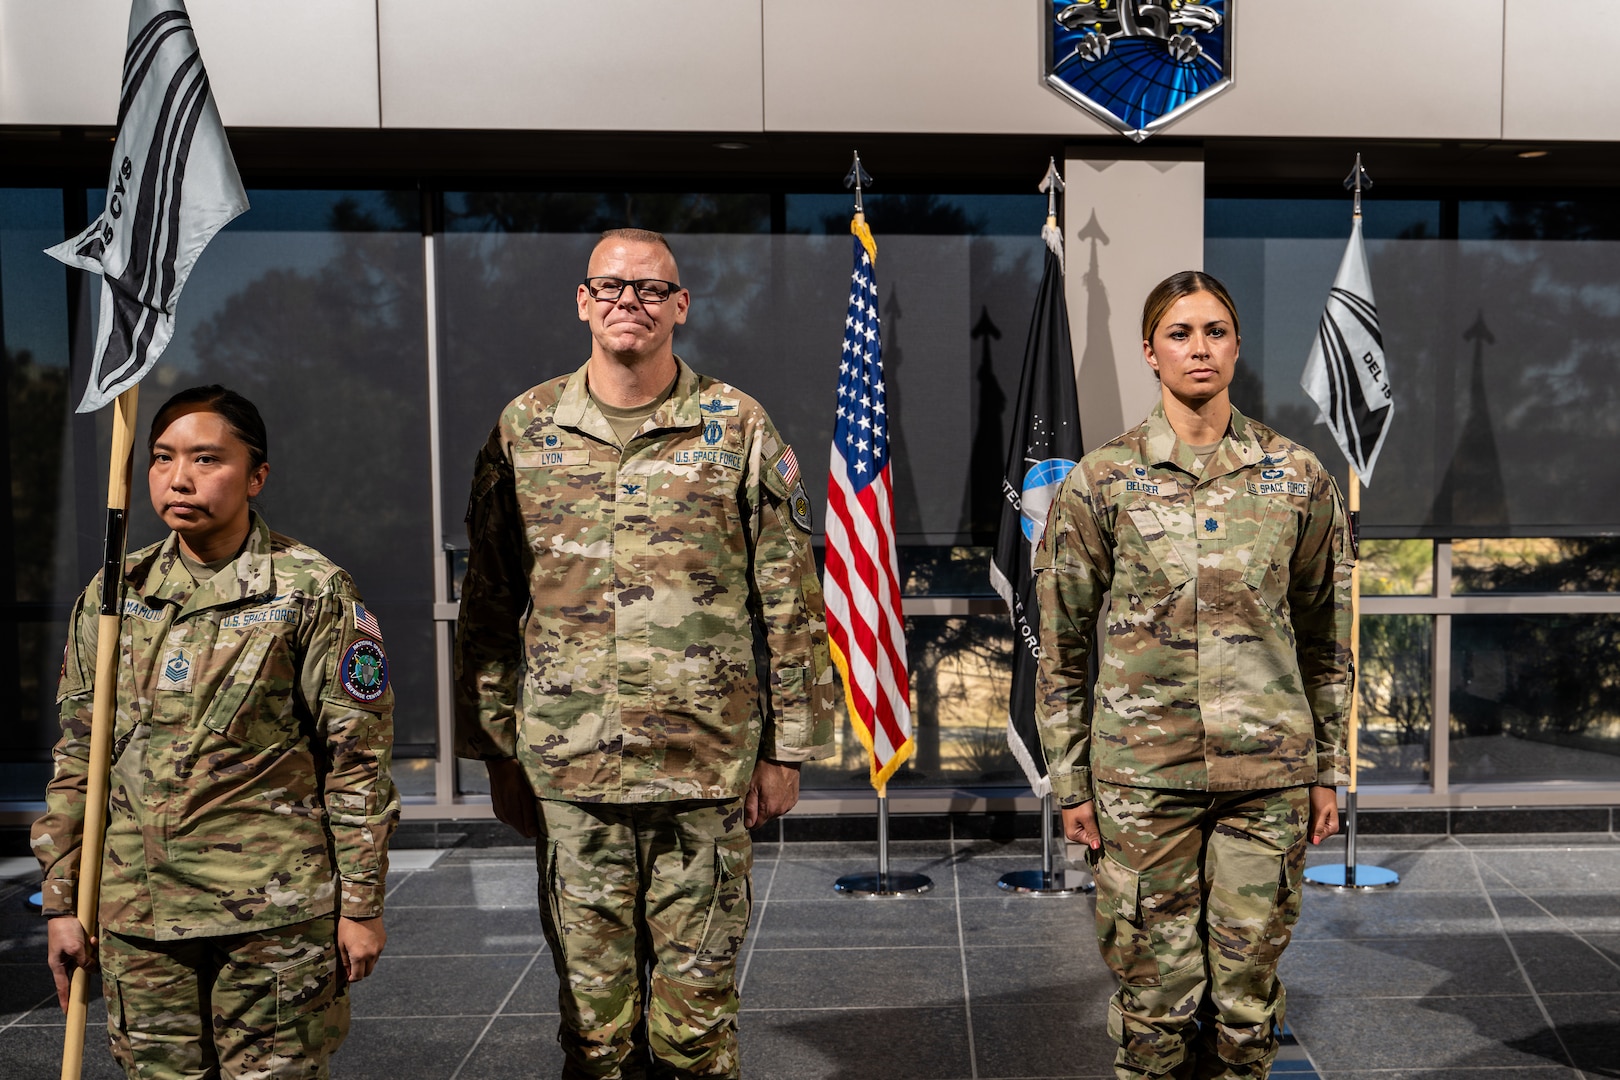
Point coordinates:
[(650, 290)]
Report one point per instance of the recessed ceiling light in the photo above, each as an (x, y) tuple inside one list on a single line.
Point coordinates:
[(731, 146), (1532, 153)]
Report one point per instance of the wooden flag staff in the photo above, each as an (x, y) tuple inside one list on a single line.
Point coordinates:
[(103, 713), (1350, 876)]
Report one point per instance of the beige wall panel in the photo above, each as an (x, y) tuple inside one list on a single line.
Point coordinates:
[(60, 62), (1559, 80), (1119, 243), (1387, 69), (293, 63), (884, 65), (528, 64)]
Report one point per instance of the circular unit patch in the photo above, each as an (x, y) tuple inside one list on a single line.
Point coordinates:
[(365, 671)]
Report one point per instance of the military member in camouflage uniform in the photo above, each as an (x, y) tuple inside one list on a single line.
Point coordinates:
[(250, 800), (1208, 754), (641, 660)]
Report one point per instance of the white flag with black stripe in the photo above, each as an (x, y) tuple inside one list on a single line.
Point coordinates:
[(1346, 374), (173, 186)]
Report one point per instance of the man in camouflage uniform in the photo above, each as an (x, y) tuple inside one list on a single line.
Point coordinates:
[(1208, 753), (250, 808), (641, 661)]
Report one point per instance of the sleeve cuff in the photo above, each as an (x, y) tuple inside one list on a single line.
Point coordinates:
[(1071, 788), (361, 900), (59, 896)]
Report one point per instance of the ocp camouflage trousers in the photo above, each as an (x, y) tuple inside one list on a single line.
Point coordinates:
[(269, 1005), (645, 907), (1197, 895)]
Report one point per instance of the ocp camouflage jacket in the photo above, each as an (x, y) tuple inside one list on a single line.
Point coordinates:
[(250, 785), (640, 625), (1225, 663)]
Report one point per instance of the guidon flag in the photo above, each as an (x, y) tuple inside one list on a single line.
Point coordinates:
[(1346, 374), (173, 185)]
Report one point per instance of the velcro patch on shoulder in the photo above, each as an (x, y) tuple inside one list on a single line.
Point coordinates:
[(364, 671), (799, 508)]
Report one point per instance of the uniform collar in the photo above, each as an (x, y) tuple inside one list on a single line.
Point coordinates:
[(162, 577), (575, 409), (1238, 449)]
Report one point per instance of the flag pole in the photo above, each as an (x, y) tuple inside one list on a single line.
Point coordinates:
[(882, 884), (1352, 877), (1046, 881), (103, 712)]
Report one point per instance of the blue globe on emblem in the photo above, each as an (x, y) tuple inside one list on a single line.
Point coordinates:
[(1041, 485)]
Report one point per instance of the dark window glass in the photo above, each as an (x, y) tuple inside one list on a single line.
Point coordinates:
[(1322, 219), (593, 212), (1536, 565), (1539, 219), (1535, 698), (39, 571), (1396, 701), (959, 666)]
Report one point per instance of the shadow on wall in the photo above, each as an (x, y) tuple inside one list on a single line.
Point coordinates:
[(1102, 412)]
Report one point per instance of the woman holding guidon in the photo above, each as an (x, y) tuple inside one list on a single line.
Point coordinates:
[(250, 801)]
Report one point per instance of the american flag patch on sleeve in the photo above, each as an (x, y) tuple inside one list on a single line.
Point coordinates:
[(788, 468), (366, 622)]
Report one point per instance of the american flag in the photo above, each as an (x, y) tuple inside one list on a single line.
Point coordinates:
[(366, 622), (862, 581)]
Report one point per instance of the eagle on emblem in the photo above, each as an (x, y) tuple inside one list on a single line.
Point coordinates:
[(1170, 21)]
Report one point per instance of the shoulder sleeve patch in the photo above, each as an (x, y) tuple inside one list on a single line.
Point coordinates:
[(799, 509), (782, 474), (364, 671)]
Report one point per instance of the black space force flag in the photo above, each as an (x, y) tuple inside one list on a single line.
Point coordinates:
[(1045, 445), (173, 186)]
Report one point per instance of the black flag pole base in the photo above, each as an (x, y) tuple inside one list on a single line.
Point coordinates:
[(885, 884), (1048, 880)]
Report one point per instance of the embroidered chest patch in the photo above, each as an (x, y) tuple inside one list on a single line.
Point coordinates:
[(176, 672), (1210, 526)]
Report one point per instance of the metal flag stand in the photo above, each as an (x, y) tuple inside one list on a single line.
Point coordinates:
[(1048, 880), (1350, 877), (883, 884)]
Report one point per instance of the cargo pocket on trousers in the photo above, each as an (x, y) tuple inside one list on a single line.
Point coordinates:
[(117, 1022), (1127, 946), (1268, 915), (310, 1020), (726, 923)]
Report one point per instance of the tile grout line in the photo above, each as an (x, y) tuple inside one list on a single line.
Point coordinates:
[(31, 1010), (1535, 996), (473, 1049), (967, 992), (1557, 920), (759, 922)]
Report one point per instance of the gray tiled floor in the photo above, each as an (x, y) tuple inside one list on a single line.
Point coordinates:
[(1495, 959)]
